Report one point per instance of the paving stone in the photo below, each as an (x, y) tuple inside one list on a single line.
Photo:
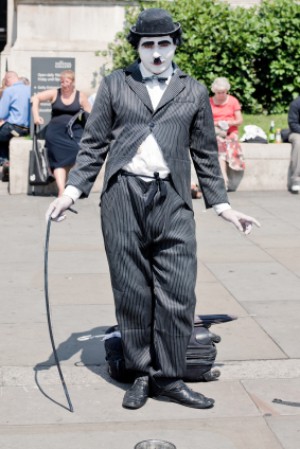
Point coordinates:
[(257, 281), (286, 429), (255, 278), (265, 391), (280, 319)]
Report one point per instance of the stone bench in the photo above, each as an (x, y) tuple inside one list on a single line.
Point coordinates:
[(266, 169), (19, 156)]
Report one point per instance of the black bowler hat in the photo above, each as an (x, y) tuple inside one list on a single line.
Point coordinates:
[(155, 22)]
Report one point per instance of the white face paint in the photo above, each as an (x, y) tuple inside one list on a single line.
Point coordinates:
[(156, 53)]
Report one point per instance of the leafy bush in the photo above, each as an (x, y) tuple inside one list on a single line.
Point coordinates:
[(257, 48), (278, 54)]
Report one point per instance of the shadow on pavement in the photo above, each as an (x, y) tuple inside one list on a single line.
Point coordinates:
[(90, 345)]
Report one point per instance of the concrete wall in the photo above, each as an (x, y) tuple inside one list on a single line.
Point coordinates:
[(267, 167), (66, 28)]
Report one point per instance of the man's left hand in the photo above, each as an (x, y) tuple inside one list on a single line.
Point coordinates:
[(241, 221)]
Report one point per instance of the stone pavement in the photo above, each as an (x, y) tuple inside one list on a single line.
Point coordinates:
[(256, 278)]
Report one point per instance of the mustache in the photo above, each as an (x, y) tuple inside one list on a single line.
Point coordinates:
[(158, 59)]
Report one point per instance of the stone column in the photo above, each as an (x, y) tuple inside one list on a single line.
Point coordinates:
[(67, 28)]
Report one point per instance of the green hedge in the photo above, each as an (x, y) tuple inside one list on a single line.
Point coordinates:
[(256, 48)]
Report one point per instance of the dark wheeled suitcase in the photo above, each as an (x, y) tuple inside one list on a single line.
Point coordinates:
[(200, 355)]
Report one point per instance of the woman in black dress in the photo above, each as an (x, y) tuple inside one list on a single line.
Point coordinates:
[(62, 145)]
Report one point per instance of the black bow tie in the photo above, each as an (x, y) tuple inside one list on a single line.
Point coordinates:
[(160, 79)]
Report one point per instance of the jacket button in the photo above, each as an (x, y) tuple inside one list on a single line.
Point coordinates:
[(151, 125)]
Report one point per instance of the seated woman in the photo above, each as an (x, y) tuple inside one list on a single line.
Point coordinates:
[(62, 145), (227, 117)]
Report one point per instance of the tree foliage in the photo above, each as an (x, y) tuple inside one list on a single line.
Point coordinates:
[(278, 54), (256, 48)]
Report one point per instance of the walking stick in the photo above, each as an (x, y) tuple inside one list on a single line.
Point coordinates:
[(49, 314)]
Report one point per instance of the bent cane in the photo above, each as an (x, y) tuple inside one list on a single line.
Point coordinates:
[(49, 314)]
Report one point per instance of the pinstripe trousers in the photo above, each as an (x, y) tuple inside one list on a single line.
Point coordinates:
[(152, 260)]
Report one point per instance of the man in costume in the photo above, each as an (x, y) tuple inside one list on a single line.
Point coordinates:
[(146, 121)]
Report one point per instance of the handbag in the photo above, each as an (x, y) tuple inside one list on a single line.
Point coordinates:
[(39, 168), (80, 117), (200, 354)]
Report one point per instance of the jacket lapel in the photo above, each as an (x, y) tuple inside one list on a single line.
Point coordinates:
[(174, 88), (135, 81)]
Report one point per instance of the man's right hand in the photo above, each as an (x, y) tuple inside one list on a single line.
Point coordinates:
[(58, 207)]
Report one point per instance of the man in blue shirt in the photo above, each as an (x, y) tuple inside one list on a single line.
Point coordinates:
[(14, 112)]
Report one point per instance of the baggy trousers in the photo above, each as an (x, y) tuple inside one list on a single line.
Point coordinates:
[(294, 168), (151, 254)]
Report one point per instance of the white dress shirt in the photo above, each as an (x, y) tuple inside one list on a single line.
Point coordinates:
[(149, 158)]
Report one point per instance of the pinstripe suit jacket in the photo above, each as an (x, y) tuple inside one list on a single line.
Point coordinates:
[(121, 119)]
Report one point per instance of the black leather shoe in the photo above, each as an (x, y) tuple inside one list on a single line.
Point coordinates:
[(180, 393), (137, 394)]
